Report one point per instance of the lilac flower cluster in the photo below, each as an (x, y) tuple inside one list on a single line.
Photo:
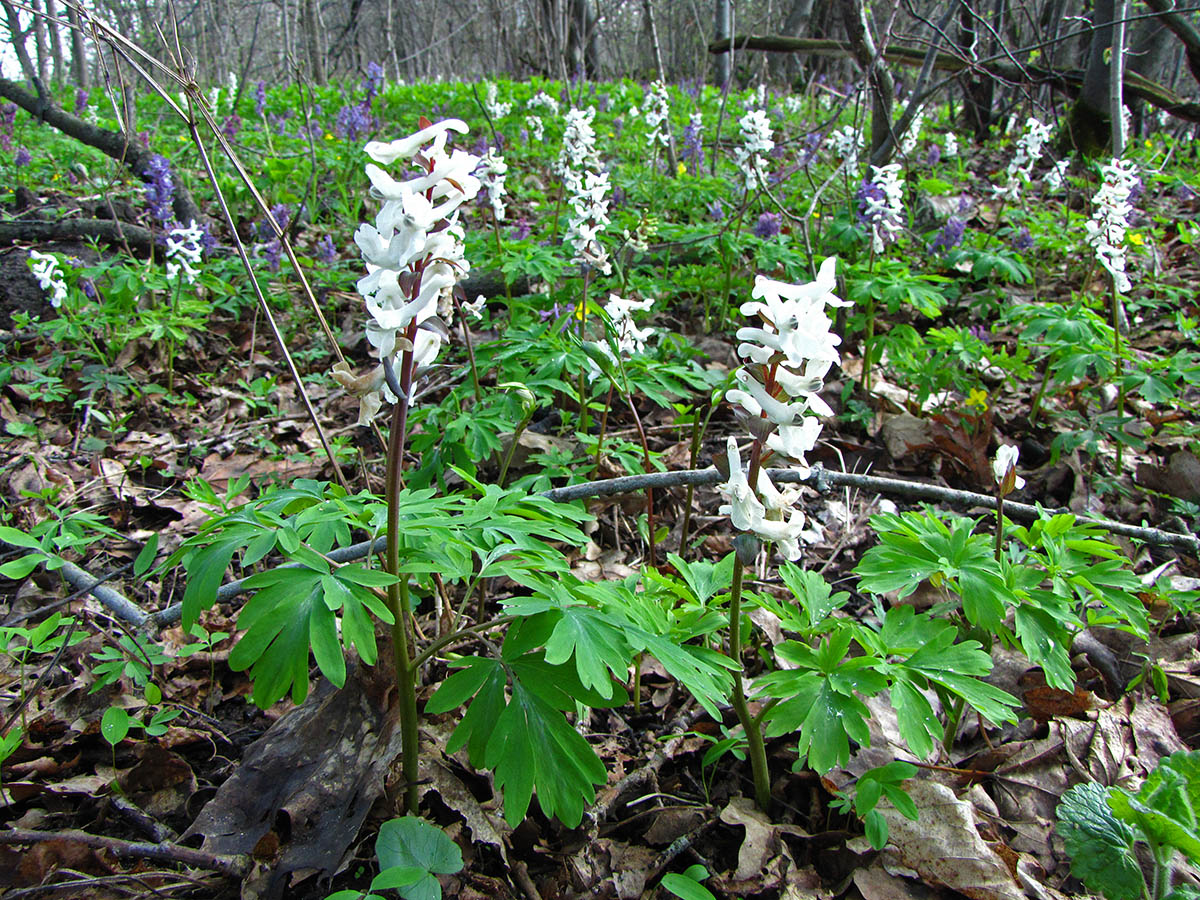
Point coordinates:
[(812, 146), (768, 225), (272, 249), (374, 80), (326, 250), (353, 121), (521, 229), (950, 236), (231, 127), (160, 189), (1023, 240), (692, 148), (260, 98), (23, 158), (81, 100)]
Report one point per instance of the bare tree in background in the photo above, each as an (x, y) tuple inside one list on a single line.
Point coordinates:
[(723, 30)]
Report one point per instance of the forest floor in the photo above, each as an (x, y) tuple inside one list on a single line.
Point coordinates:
[(315, 780)]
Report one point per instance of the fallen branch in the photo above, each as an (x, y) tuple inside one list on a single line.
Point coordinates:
[(114, 144), (1067, 81), (231, 866), (108, 231)]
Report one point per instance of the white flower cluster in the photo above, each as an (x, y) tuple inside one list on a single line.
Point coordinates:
[(657, 107), (491, 103), (757, 141), (579, 144), (535, 127), (1053, 180), (589, 206), (793, 103), (631, 340), (492, 172), (885, 211), (542, 100), (413, 252), (183, 252), (1029, 150), (45, 269), (847, 143), (950, 145), (788, 356), (908, 142), (1110, 219)]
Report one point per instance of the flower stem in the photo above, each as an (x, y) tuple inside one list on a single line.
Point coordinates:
[(398, 601), (754, 738), (999, 522), (500, 260), (462, 321), (603, 426), (512, 448), (1116, 326)]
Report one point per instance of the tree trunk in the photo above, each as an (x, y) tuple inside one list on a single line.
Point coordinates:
[(874, 66), (582, 47), (978, 89), (1089, 126), (795, 25), (39, 41), (18, 35), (312, 42), (723, 30), (55, 38), (79, 66), (1117, 81)]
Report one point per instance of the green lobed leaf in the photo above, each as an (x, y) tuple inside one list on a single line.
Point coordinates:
[(596, 644), (205, 570), (533, 746)]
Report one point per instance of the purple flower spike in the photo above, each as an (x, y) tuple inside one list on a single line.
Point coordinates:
[(768, 225), (160, 189), (951, 234), (23, 157), (1023, 240)]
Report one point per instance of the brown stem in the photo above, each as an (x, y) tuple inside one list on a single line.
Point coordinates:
[(754, 738), (397, 593)]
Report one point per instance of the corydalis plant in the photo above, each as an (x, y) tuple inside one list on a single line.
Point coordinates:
[(787, 357), (414, 257)]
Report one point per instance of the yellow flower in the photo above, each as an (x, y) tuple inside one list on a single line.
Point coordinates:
[(1149, 143), (978, 398), (681, 169), (328, 136), (1136, 239)]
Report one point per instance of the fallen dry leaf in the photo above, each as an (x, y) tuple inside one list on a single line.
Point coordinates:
[(944, 848)]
